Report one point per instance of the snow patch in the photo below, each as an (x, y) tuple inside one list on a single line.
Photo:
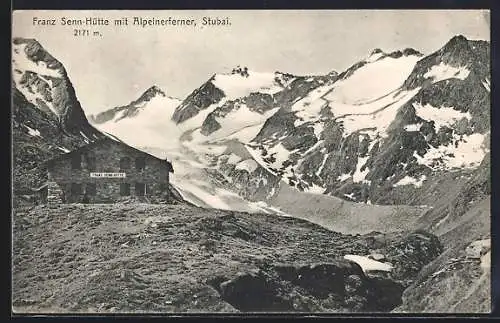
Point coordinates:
[(443, 116), (379, 120), (248, 165), (33, 132), (440, 222), (263, 206), (343, 177), (486, 261), (359, 176), (350, 196), (408, 180), (468, 152), (315, 189), (444, 71), (413, 127), (280, 153), (110, 136), (236, 86), (241, 119), (308, 108), (368, 264), (22, 62), (318, 129), (233, 158), (373, 80), (486, 84), (323, 163)]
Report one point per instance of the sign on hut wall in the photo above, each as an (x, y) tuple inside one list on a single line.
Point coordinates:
[(108, 175)]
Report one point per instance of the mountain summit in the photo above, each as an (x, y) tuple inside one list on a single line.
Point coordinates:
[(152, 91), (43, 81), (149, 116), (133, 108)]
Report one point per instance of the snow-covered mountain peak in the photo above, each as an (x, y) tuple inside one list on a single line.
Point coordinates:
[(154, 90), (457, 41), (376, 51), (152, 103), (149, 116), (411, 51), (43, 82), (242, 81), (35, 57), (332, 74), (378, 54), (35, 73), (152, 93), (222, 91), (454, 61)]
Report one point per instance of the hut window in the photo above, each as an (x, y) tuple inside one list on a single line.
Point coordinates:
[(124, 189), (124, 163), (76, 189), (140, 189), (140, 163), (76, 161), (91, 163), (90, 189)]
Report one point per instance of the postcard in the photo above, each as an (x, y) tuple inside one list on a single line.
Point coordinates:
[(251, 161)]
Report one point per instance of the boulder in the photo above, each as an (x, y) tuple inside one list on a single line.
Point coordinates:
[(377, 256), (478, 248), (251, 291), (411, 253)]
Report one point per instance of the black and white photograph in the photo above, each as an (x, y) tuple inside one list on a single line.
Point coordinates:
[(251, 161)]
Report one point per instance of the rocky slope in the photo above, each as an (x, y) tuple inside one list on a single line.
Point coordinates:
[(47, 118), (175, 258), (459, 280)]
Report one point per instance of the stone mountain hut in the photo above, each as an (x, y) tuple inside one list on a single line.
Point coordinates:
[(106, 171)]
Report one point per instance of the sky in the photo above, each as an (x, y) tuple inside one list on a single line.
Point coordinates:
[(119, 65)]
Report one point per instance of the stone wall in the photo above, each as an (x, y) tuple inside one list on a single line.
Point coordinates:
[(105, 157), (55, 194)]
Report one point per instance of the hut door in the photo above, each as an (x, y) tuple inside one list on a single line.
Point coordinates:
[(124, 189), (140, 189)]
